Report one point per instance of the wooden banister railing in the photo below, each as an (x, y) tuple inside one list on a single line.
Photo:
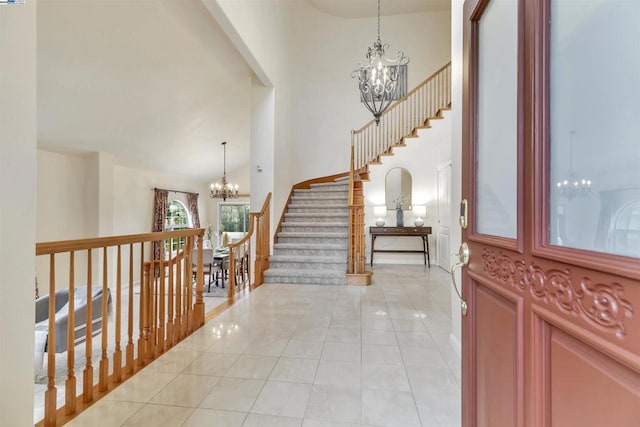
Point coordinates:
[(401, 120), (240, 254), (166, 311)]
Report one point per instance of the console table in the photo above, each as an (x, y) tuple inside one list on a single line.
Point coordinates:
[(422, 232)]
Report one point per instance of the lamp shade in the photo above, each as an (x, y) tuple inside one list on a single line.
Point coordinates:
[(420, 210), (380, 211)]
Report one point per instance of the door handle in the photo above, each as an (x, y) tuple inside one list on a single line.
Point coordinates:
[(463, 260)]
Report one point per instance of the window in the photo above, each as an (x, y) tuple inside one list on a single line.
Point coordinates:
[(233, 217), (177, 219)]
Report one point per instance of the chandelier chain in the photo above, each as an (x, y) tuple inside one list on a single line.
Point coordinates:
[(378, 19)]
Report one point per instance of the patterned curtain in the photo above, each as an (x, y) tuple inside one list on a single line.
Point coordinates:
[(159, 214), (192, 205)]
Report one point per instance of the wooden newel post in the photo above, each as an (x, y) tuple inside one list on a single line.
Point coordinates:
[(198, 309)]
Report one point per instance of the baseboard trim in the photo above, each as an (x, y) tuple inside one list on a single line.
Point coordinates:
[(455, 344)]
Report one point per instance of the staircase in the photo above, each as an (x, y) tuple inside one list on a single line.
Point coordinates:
[(311, 247)]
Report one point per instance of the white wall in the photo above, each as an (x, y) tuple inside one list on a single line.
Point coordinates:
[(308, 56), (17, 211), (421, 158), (69, 189), (260, 31), (325, 49)]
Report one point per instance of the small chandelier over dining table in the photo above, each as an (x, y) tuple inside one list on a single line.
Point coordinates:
[(224, 190), (378, 79)]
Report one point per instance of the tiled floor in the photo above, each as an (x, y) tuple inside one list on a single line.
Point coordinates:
[(40, 386), (310, 356)]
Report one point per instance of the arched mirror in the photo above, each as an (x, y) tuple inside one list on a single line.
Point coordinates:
[(397, 189)]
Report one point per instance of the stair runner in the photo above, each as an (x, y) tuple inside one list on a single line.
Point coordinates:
[(312, 246)]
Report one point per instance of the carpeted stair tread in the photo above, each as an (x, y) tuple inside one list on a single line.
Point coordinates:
[(309, 259), (312, 246), (315, 224), (335, 246), (330, 184), (312, 234), (294, 272), (314, 216)]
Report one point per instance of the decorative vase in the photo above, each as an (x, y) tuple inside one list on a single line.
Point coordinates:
[(399, 217)]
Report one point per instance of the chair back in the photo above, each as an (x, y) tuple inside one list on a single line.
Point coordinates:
[(207, 256)]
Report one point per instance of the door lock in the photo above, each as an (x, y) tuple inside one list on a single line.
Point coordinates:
[(463, 260)]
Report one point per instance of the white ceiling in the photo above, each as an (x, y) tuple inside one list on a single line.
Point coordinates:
[(368, 8), (157, 84)]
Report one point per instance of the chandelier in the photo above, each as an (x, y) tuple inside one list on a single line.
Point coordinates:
[(224, 190), (378, 79), (571, 186)]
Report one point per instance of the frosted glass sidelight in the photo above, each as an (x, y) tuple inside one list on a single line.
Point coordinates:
[(496, 131), (595, 126)]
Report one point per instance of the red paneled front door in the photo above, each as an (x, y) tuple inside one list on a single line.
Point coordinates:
[(551, 173)]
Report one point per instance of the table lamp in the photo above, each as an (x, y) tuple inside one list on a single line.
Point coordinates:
[(380, 212), (419, 212)]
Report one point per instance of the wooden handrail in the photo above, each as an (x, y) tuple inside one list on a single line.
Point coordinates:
[(240, 253), (401, 120), (47, 248), (167, 312)]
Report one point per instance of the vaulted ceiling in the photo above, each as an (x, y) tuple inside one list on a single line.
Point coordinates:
[(368, 8), (156, 83)]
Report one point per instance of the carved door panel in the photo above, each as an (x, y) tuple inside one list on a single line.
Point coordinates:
[(551, 172)]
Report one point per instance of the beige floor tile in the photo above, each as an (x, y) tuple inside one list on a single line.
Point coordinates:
[(431, 380), (235, 344), (172, 362), (254, 367), (334, 404), (303, 349), (267, 346), (186, 390), (317, 423), (381, 354), (294, 370), (212, 364), (233, 394), (379, 337), (388, 408), (415, 339), (346, 352), (159, 416), (106, 413), (261, 420), (385, 377), (214, 417), (422, 356), (141, 387), (340, 374), (410, 325), (310, 333), (283, 399), (346, 335)]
